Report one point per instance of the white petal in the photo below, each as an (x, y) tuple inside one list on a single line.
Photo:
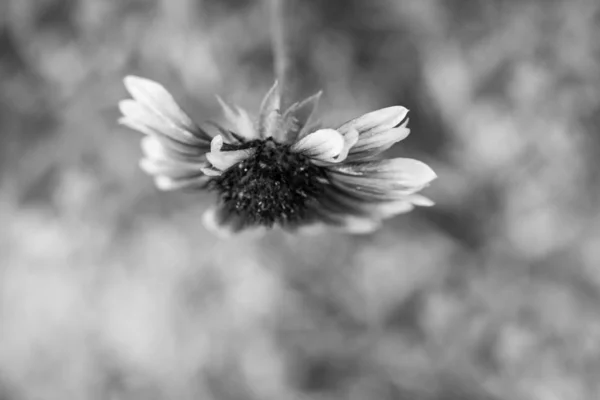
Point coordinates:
[(131, 109), (367, 147), (358, 225), (406, 171), (376, 121), (139, 118), (216, 144), (211, 171), (311, 229), (137, 125), (223, 160), (390, 208), (419, 200), (154, 96), (167, 184), (350, 140), (153, 148), (322, 145), (172, 169), (393, 173), (155, 107)]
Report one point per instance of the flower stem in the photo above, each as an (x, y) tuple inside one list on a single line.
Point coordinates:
[(281, 52)]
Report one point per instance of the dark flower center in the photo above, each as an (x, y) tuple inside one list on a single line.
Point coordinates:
[(274, 185)]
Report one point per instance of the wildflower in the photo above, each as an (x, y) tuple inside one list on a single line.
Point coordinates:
[(280, 169)]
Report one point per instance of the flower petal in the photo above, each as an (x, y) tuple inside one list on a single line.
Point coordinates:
[(223, 160), (216, 144), (373, 130), (211, 171), (322, 145), (376, 121), (240, 119), (269, 119), (155, 99), (419, 200), (350, 140), (167, 184), (341, 201), (153, 148), (171, 169), (366, 148), (359, 226), (396, 173), (159, 148)]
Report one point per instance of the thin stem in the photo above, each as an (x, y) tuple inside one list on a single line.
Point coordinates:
[(281, 53)]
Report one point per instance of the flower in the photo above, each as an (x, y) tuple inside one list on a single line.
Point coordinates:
[(281, 169)]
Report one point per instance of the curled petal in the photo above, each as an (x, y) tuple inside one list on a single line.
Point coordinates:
[(223, 160), (216, 144), (322, 145), (240, 119), (373, 130), (350, 140), (370, 146), (376, 121)]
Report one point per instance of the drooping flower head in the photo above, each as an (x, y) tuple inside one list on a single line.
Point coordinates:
[(278, 169)]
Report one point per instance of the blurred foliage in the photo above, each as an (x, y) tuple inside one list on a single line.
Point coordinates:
[(111, 290)]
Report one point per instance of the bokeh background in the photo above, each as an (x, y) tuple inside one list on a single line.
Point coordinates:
[(112, 290)]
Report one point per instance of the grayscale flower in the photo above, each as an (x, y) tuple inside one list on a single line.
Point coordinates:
[(280, 169)]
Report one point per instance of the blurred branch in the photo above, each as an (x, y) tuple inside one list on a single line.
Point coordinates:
[(281, 51)]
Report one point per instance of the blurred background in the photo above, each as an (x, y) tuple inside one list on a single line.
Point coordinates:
[(112, 290)]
